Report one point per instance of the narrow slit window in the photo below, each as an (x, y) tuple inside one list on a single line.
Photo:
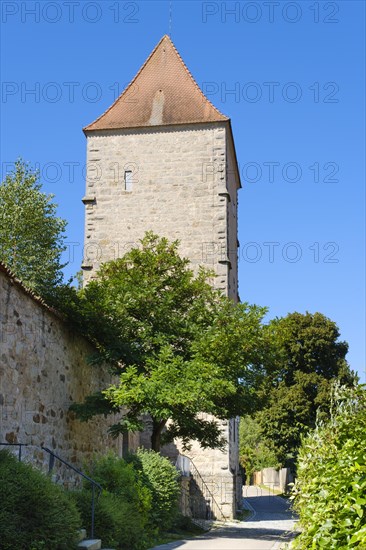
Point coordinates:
[(128, 180)]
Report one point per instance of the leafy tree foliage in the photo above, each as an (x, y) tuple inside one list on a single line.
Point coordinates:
[(330, 490), (179, 347), (255, 452), (307, 343), (302, 359), (31, 235)]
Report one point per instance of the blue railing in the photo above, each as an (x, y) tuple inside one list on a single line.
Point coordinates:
[(52, 457)]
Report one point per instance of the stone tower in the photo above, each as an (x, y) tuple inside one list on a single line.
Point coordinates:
[(162, 158)]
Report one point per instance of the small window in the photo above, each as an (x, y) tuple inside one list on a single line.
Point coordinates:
[(128, 180)]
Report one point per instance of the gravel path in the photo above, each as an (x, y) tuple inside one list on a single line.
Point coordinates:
[(268, 527)]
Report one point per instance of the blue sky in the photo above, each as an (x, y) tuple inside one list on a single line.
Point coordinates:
[(291, 77)]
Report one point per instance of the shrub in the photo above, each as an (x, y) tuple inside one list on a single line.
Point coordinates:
[(330, 491), (117, 522), (35, 513), (161, 477), (116, 476), (139, 499), (122, 511)]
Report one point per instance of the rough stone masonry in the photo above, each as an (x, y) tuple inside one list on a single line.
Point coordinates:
[(43, 370)]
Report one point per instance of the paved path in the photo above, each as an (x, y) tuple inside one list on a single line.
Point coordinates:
[(266, 529)]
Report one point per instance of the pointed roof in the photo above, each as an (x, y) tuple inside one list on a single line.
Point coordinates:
[(163, 92)]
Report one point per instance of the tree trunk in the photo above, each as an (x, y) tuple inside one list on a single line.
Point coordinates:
[(158, 426)]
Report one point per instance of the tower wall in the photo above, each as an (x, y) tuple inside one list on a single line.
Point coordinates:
[(184, 186), (178, 191)]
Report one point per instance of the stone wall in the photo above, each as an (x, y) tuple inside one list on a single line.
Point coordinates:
[(43, 369), (184, 497), (279, 480)]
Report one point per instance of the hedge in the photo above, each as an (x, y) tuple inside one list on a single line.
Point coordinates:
[(35, 513), (330, 490)]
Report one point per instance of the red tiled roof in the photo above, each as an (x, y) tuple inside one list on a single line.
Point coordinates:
[(163, 92)]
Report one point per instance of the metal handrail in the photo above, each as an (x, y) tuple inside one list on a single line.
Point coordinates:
[(52, 457), (204, 484)]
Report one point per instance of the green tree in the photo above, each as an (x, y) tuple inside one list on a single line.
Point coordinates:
[(304, 358), (330, 489), (308, 343), (179, 347), (31, 235), (255, 453)]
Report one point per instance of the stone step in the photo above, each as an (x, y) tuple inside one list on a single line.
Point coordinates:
[(81, 534), (91, 544)]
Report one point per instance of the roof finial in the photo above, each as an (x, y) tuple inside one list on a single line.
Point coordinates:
[(170, 18)]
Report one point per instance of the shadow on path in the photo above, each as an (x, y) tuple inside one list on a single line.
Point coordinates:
[(270, 525)]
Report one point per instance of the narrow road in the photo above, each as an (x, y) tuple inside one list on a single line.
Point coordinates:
[(268, 527)]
